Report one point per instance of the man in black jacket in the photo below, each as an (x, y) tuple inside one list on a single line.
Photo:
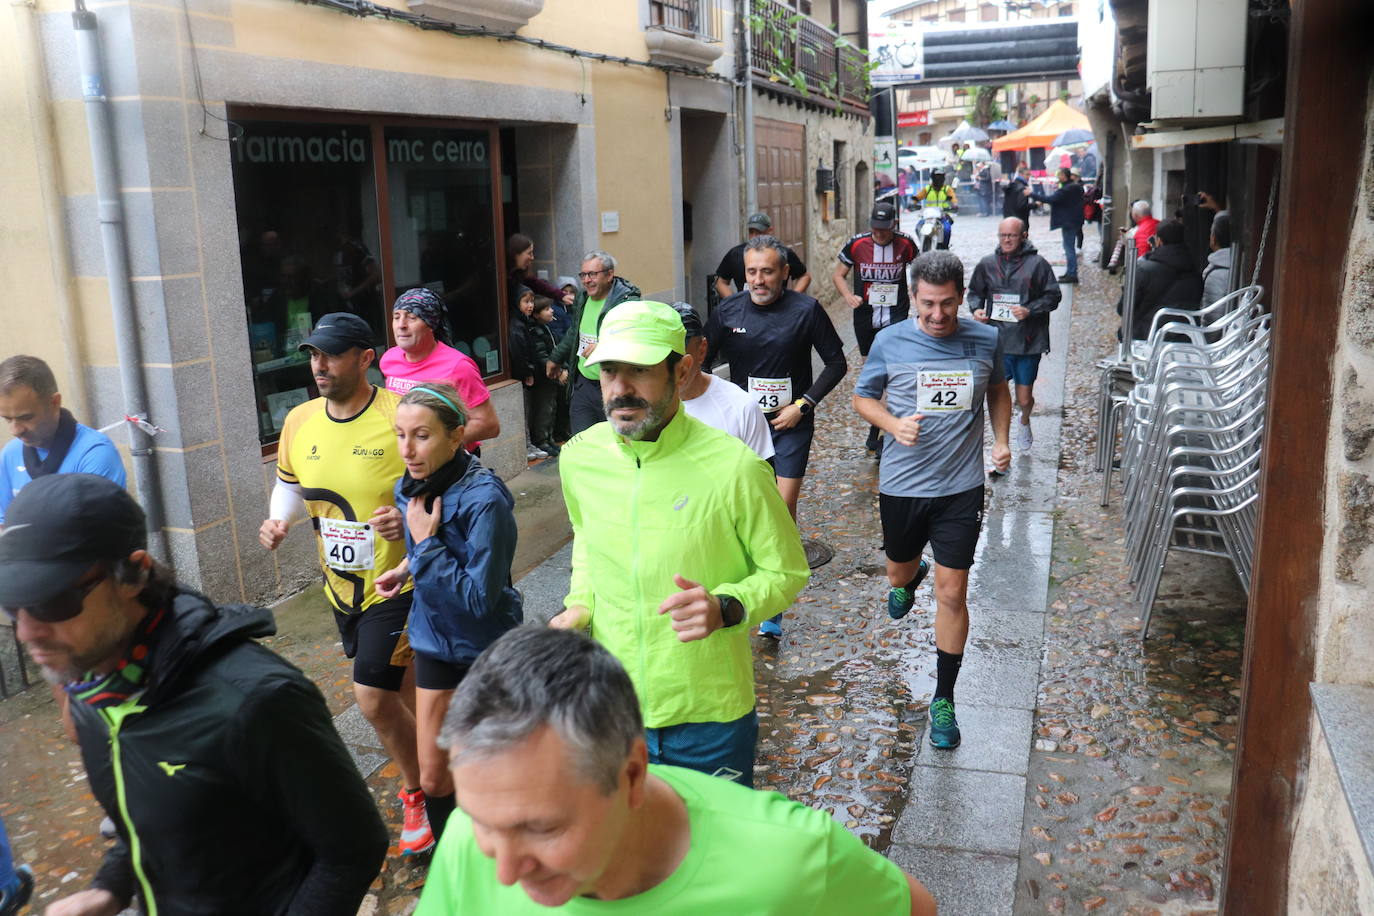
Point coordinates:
[(1165, 278), (1013, 289), (1066, 215), (229, 787), (1014, 200)]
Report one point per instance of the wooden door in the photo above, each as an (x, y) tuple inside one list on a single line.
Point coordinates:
[(781, 151)]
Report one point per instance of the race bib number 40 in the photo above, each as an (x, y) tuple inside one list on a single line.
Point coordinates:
[(770, 393), (347, 545), (944, 390), (882, 295), (1002, 304)]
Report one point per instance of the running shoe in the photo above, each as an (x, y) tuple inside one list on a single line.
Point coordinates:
[(901, 598), (996, 472), (1024, 437), (17, 892), (416, 835), (772, 627), (551, 448), (534, 453), (944, 728)]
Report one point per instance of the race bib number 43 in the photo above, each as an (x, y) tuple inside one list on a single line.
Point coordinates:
[(1002, 304), (944, 390), (347, 545), (770, 393)]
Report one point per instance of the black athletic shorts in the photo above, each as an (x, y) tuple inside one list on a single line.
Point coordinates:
[(376, 641), (435, 674), (950, 524), (792, 447)]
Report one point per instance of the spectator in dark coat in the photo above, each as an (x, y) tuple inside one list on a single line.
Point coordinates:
[(1066, 215), (1216, 276), (1164, 278), (1014, 200)]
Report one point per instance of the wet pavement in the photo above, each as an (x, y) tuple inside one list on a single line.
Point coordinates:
[(1094, 773)]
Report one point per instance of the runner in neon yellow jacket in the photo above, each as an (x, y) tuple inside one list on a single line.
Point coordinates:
[(655, 522)]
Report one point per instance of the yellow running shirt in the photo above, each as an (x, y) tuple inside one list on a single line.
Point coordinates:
[(346, 469)]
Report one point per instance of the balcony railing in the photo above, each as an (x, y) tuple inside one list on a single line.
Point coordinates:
[(697, 18), (801, 57)]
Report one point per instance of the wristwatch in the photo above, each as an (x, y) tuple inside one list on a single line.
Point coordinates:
[(803, 405), (731, 611)]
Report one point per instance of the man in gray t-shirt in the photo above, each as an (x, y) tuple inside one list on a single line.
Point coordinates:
[(937, 372)]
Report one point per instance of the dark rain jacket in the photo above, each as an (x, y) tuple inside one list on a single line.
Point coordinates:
[(1066, 206), (1014, 199), (1026, 274), (463, 594), (230, 790), (621, 291), (1164, 278)]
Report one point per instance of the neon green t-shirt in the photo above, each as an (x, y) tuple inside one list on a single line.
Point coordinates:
[(753, 853), (587, 333)]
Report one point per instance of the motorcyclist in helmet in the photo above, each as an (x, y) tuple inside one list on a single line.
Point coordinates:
[(938, 193)]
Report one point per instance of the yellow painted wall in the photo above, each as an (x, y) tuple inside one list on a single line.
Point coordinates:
[(632, 175), (28, 313)]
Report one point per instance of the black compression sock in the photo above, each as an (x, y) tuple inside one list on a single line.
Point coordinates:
[(946, 673), (438, 807)]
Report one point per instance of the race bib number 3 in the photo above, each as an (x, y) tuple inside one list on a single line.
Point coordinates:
[(770, 393), (882, 295), (1001, 306), (944, 390), (585, 342), (347, 545)]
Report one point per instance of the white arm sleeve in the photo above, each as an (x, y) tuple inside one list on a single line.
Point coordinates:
[(287, 504)]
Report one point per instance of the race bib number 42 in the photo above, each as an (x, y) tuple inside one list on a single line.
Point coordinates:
[(944, 390), (770, 393), (1002, 306), (347, 545)]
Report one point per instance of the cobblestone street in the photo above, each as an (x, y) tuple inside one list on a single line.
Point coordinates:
[(1094, 772)]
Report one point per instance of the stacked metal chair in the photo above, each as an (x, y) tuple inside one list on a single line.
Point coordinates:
[(1190, 403)]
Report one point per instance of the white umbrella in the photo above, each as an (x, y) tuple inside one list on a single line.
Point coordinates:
[(976, 154), (965, 133)]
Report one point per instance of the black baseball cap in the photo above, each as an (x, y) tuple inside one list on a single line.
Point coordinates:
[(57, 528), (884, 216), (691, 319), (339, 332)]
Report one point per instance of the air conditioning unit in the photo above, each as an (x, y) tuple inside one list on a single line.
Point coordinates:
[(1195, 59)]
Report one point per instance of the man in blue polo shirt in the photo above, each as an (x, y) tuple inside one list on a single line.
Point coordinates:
[(47, 438), (937, 371)]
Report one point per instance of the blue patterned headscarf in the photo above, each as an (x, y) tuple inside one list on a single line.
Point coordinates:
[(428, 306)]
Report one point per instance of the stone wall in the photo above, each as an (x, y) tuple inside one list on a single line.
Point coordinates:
[(1329, 870)]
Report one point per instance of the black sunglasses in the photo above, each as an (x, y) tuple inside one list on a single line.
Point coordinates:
[(64, 605)]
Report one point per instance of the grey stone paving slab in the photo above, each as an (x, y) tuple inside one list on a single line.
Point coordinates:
[(963, 883), (367, 762), (1014, 631), (995, 676), (996, 739), (356, 730), (1012, 567), (1347, 723), (545, 586), (963, 809)]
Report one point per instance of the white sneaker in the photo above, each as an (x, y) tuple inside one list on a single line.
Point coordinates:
[(534, 453), (1024, 437)]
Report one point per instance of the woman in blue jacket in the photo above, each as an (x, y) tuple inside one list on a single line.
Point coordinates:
[(460, 540)]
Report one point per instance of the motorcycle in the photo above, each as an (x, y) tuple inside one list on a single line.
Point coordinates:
[(930, 231)]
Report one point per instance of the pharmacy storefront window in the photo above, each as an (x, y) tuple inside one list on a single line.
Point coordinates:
[(308, 237), (345, 216), (439, 190)]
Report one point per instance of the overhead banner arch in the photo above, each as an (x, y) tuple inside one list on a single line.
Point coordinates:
[(998, 52)]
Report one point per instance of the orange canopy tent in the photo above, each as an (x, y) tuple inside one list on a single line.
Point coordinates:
[(1042, 129)]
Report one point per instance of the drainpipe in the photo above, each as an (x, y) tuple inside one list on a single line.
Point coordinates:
[(45, 148), (751, 192), (111, 215)]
